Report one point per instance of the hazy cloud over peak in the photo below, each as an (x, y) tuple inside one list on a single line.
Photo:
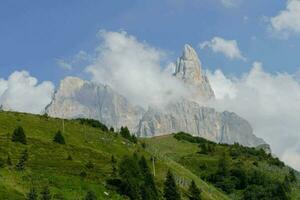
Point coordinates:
[(133, 69)]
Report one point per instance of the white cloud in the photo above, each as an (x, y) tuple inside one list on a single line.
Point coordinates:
[(133, 69), (21, 92), (227, 47), (270, 102), (288, 20)]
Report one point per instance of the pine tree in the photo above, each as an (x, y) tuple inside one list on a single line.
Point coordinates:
[(125, 133), (112, 129), (90, 195), (32, 195), (194, 191), (170, 189), (19, 135), (59, 138), (130, 175), (148, 191), (45, 194)]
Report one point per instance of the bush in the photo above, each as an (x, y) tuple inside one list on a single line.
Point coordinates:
[(59, 138), (19, 135)]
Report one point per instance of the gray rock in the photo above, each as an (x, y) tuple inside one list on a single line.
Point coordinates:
[(189, 117), (76, 98), (188, 69)]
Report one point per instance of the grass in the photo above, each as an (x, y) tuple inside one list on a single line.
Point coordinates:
[(48, 163)]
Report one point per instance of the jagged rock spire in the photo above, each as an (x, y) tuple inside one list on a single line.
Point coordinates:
[(188, 69)]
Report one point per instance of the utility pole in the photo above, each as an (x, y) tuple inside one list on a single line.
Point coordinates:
[(63, 124), (153, 165)]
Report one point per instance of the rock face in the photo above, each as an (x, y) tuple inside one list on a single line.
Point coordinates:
[(200, 121), (188, 69), (76, 98)]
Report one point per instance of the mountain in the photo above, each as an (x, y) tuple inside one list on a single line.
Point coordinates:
[(76, 98), (187, 116)]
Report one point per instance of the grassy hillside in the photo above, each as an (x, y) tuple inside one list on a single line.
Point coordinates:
[(63, 168), (242, 162), (66, 169)]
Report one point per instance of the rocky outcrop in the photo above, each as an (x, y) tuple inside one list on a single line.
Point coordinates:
[(187, 116), (76, 98), (189, 70)]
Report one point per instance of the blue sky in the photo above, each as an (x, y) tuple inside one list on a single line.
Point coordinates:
[(36, 33), (259, 39)]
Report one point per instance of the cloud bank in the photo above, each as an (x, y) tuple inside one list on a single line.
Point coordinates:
[(21, 92), (133, 69), (270, 102), (227, 47), (287, 21)]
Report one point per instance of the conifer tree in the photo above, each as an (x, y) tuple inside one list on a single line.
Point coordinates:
[(59, 138), (125, 133), (194, 191), (45, 194), (170, 189), (131, 177), (19, 135), (112, 129), (149, 191), (32, 195)]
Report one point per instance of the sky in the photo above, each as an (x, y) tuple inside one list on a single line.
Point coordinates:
[(249, 50)]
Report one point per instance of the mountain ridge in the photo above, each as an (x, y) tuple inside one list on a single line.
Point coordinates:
[(77, 98)]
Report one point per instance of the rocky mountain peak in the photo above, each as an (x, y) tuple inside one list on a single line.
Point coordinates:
[(189, 70)]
